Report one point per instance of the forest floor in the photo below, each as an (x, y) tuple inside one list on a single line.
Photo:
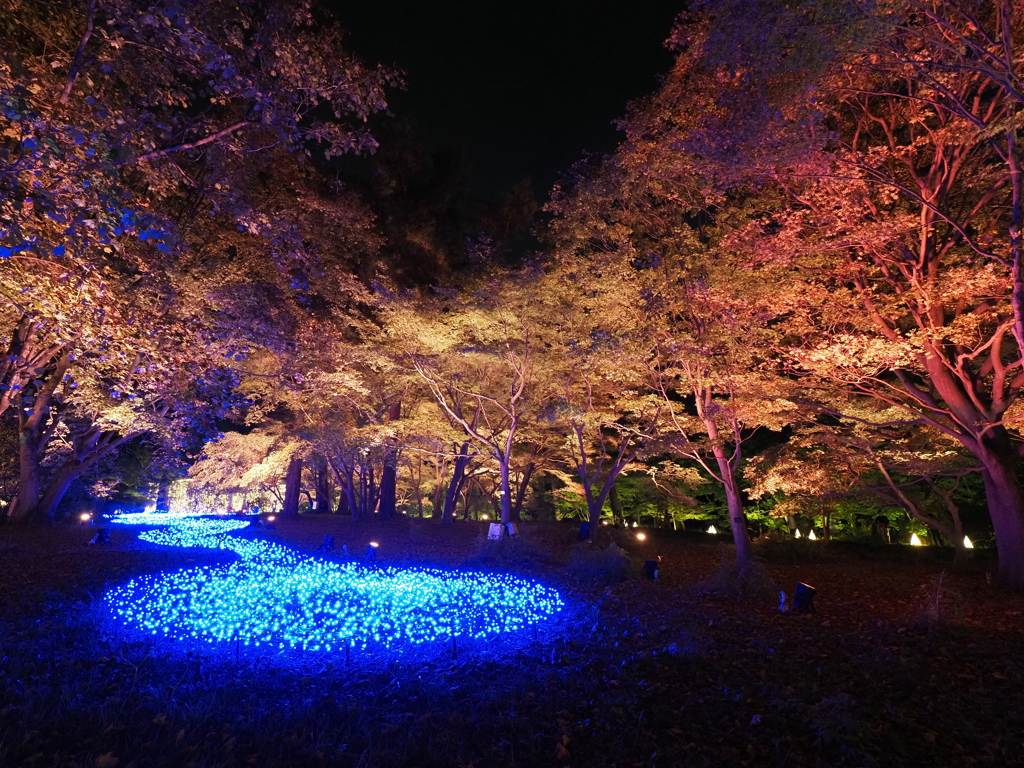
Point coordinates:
[(891, 669)]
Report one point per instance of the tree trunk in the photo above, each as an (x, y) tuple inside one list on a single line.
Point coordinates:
[(506, 494), (47, 508), (455, 486), (1006, 508), (388, 489), (595, 505), (35, 426), (616, 504), (417, 483), (737, 518), (323, 488), (440, 490), (524, 485), (292, 487), (163, 494), (389, 476), (28, 485), (89, 449)]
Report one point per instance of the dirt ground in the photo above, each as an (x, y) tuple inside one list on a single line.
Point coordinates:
[(893, 668)]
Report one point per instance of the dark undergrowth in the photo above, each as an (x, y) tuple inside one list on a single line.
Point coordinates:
[(897, 668)]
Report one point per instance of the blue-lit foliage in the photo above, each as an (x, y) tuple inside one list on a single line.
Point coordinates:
[(277, 598)]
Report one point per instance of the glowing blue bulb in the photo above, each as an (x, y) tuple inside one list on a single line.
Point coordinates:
[(280, 597)]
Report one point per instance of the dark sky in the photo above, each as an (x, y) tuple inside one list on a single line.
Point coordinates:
[(523, 88)]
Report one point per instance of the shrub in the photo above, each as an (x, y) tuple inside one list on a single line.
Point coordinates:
[(506, 552), (599, 565)]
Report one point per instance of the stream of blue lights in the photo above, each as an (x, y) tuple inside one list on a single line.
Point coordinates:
[(276, 598)]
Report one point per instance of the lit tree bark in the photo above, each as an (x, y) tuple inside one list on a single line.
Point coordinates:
[(37, 418), (89, 449), (293, 485), (616, 504), (323, 487), (451, 496), (389, 474), (521, 489)]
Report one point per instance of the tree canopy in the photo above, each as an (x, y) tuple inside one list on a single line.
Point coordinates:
[(797, 283)]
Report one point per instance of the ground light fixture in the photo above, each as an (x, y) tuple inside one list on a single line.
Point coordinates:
[(968, 544), (915, 541), (652, 568), (811, 536), (85, 517), (712, 529), (278, 598), (641, 536), (797, 533), (102, 536), (803, 598)]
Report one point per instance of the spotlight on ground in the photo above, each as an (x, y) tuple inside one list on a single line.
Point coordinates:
[(915, 541), (968, 544), (641, 536), (371, 550), (85, 517), (712, 529)]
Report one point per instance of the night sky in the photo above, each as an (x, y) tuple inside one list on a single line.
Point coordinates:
[(522, 88)]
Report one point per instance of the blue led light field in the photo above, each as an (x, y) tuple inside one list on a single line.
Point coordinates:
[(276, 598)]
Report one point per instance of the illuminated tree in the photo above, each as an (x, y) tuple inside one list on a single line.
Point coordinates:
[(881, 143), (698, 320), (475, 359), (115, 119), (867, 455)]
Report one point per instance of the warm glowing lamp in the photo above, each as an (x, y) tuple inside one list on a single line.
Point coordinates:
[(798, 534), (811, 536), (712, 529), (272, 518), (641, 536), (374, 544), (485, 517), (634, 523), (84, 517), (968, 544), (914, 541)]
